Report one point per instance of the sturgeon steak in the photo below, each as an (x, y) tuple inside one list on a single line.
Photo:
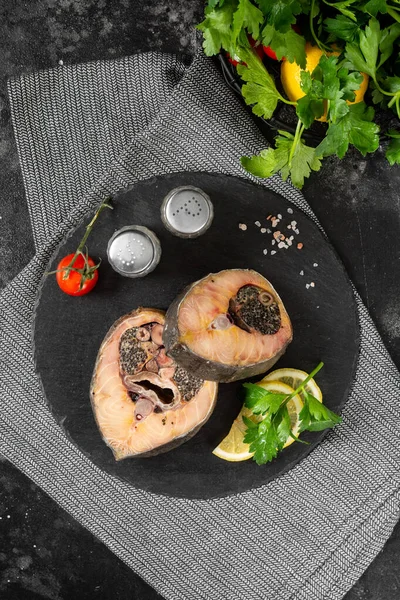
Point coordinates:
[(143, 402), (229, 325)]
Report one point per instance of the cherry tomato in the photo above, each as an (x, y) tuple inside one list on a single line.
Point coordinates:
[(259, 49), (268, 50), (87, 272)]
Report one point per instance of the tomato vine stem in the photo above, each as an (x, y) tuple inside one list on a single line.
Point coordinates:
[(105, 204)]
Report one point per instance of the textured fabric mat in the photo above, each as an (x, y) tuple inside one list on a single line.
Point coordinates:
[(89, 130)]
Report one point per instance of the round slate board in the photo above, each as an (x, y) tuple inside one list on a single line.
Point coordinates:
[(69, 331)]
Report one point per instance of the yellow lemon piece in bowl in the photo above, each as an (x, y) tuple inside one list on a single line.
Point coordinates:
[(291, 76)]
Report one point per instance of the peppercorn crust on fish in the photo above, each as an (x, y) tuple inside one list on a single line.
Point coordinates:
[(229, 325), (143, 403)]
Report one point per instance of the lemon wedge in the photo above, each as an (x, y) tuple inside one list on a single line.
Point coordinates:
[(233, 448)]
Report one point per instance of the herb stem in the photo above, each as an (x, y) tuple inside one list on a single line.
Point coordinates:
[(320, 45), (286, 101), (297, 137), (384, 92), (395, 100), (309, 377), (312, 23)]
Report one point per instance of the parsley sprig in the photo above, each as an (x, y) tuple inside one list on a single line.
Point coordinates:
[(365, 34), (269, 435)]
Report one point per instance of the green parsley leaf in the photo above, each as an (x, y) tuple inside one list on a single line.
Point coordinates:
[(304, 160), (392, 84), (290, 45), (338, 108), (362, 131), (309, 108), (334, 142), (259, 89), (216, 28), (261, 401), (326, 73), (246, 16), (377, 96), (343, 7), (393, 149), (355, 60), (260, 165), (363, 57), (214, 3), (304, 418), (263, 441), (342, 28), (306, 82), (374, 6), (284, 427), (305, 6), (315, 416), (356, 128), (252, 433), (249, 423), (349, 83), (281, 14), (388, 37), (369, 43)]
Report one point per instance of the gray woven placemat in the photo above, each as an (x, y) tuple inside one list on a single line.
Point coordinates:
[(87, 130)]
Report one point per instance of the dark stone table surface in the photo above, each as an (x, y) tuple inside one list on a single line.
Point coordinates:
[(44, 552)]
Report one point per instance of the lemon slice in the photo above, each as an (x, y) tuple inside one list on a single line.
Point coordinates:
[(233, 448), (294, 377)]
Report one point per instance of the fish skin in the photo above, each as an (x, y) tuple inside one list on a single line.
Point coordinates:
[(197, 349), (114, 410)]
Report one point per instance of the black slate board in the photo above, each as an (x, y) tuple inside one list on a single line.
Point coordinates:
[(68, 331)]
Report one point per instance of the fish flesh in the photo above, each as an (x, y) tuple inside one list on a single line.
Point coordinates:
[(229, 325), (144, 403)]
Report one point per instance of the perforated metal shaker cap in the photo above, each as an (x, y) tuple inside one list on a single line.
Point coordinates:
[(134, 251), (187, 211)]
